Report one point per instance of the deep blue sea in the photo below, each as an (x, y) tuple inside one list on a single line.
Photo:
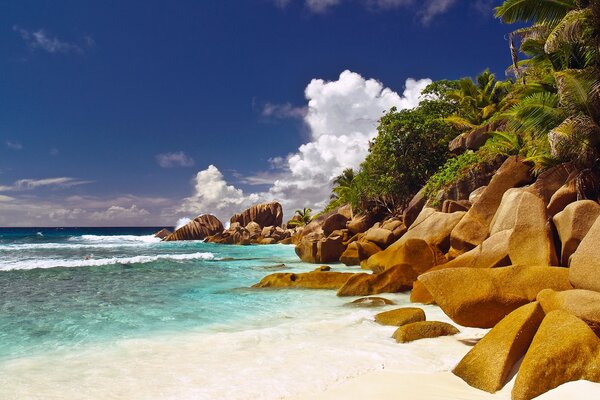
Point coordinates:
[(114, 313)]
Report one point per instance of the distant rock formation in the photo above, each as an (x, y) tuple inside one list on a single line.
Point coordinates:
[(163, 233), (198, 229), (265, 214)]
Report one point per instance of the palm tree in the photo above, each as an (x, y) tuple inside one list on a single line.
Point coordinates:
[(301, 217), (342, 184)]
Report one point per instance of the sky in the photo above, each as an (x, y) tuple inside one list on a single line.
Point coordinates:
[(140, 113)]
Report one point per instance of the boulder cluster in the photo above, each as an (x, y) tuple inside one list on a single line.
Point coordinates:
[(259, 224), (519, 255)]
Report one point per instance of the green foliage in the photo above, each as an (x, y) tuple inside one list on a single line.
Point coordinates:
[(454, 170), (301, 217)]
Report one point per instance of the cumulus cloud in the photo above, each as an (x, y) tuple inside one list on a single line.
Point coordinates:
[(121, 214), (30, 184), (176, 159), (213, 195), (42, 40), (342, 117), (14, 145)]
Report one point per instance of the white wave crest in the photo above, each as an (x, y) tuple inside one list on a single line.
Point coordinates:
[(54, 263), (115, 238)]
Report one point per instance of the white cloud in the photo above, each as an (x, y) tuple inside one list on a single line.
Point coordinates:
[(41, 40), (30, 184), (427, 9), (120, 214), (14, 145), (176, 159), (282, 111), (212, 195), (342, 117)]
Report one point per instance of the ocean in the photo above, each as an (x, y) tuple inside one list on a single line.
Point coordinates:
[(114, 313)]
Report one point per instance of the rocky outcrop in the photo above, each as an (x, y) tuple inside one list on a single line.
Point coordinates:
[(572, 224), (265, 214), (584, 271), (307, 280), (360, 223), (564, 196), (163, 233), (400, 316), (358, 251), (423, 330), (564, 349), (488, 365), (431, 226), (414, 208), (531, 242), (392, 280), (474, 138), (315, 248), (474, 228), (480, 298), (198, 229), (584, 304), (333, 223)]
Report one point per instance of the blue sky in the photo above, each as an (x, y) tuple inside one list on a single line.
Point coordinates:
[(143, 112)]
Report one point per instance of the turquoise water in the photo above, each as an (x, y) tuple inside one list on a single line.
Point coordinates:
[(124, 285), (114, 313)]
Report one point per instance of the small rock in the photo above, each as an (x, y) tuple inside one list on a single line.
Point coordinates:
[(400, 316), (371, 302), (423, 330)]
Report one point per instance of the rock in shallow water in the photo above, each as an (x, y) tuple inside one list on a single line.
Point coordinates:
[(423, 330), (371, 302), (307, 280), (400, 316)]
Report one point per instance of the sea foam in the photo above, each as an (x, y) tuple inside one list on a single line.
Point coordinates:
[(70, 263)]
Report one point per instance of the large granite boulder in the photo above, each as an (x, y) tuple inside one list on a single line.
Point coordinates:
[(564, 349), (584, 271), (481, 297), (163, 233), (564, 196), (265, 214), (197, 229), (358, 251), (488, 365), (254, 229), (400, 316), (416, 254), (414, 208), (532, 242), (307, 280), (431, 226), (423, 330), (551, 180), (315, 248), (584, 304), (506, 214), (474, 228), (380, 236), (493, 252), (360, 223), (334, 222), (572, 224), (392, 280)]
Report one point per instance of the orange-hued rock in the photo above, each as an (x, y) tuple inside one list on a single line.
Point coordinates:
[(360, 223), (481, 297), (572, 224), (564, 196), (380, 236), (163, 233), (493, 252), (371, 302), (358, 251), (414, 208), (400, 316), (531, 242), (306, 280), (416, 253), (474, 228), (551, 180), (506, 215), (584, 271), (431, 226), (197, 229), (488, 365), (392, 280), (584, 304), (265, 214), (564, 349), (423, 330), (333, 223)]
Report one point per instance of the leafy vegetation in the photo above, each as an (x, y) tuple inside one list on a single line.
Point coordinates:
[(549, 113), (301, 217)]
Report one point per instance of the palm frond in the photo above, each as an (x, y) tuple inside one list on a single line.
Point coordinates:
[(547, 12), (575, 88), (575, 139), (537, 113), (576, 27), (459, 122)]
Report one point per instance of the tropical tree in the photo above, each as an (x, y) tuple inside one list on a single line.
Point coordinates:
[(301, 217)]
